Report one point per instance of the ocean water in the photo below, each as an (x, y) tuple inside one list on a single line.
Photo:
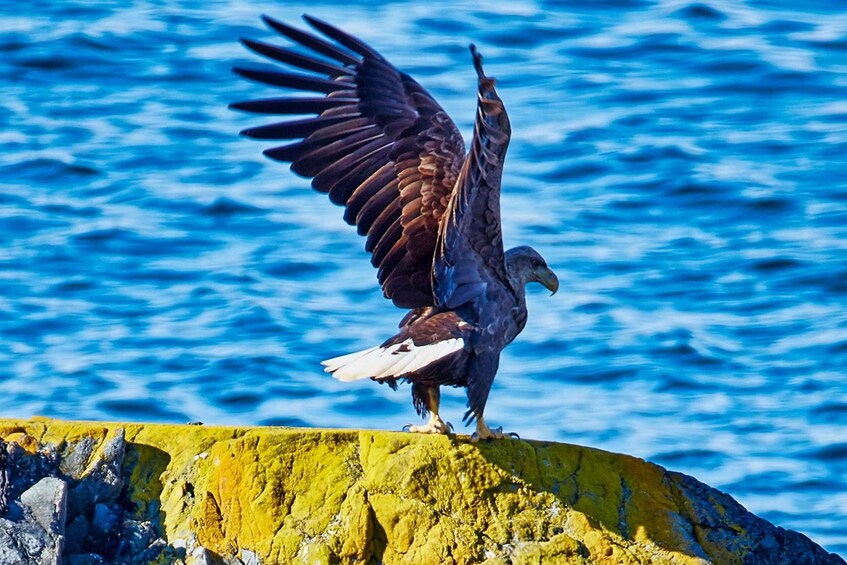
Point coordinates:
[(682, 165)]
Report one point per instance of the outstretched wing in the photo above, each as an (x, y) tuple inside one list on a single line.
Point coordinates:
[(470, 260), (379, 145), (470, 264)]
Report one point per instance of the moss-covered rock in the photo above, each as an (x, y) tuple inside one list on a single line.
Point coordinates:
[(331, 496)]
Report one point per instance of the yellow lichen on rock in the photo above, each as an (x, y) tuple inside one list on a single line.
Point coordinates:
[(322, 496)]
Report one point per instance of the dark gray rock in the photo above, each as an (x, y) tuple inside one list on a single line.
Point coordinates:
[(104, 522), (76, 456), (46, 502), (139, 538), (154, 552), (76, 534), (81, 488), (37, 537), (25, 542), (85, 559), (72, 502), (102, 480), (4, 479), (24, 469), (40, 501), (716, 518)]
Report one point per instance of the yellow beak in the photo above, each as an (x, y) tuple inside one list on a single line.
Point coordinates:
[(549, 279)]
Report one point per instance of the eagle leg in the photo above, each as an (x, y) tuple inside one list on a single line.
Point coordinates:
[(484, 432), (431, 398)]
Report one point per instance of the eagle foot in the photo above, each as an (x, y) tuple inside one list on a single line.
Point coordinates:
[(484, 432), (435, 426)]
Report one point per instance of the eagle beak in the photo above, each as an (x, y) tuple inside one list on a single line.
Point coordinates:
[(549, 279)]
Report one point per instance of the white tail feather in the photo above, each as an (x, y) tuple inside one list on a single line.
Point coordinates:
[(337, 362), (390, 361)]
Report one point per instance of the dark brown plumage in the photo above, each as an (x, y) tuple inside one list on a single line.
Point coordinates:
[(381, 146)]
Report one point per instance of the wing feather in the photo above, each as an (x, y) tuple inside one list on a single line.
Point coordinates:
[(292, 105), (293, 81), (384, 220), (297, 129), (378, 144), (363, 193), (389, 239), (296, 59), (344, 39), (342, 179), (310, 41), (392, 259), (376, 206)]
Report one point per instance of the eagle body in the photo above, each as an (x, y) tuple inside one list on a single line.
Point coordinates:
[(378, 144)]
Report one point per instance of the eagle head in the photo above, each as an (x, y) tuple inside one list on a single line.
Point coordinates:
[(526, 265)]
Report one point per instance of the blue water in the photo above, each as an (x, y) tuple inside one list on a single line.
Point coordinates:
[(681, 165)]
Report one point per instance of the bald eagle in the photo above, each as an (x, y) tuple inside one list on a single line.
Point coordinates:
[(378, 144)]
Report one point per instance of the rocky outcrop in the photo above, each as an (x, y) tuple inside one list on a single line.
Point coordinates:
[(64, 504), (203, 494)]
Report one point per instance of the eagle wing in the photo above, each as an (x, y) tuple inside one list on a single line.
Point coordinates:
[(470, 260), (470, 273), (379, 145)]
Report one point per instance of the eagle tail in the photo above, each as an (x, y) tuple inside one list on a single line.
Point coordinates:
[(390, 361)]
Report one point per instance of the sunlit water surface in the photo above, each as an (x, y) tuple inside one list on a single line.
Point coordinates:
[(682, 166)]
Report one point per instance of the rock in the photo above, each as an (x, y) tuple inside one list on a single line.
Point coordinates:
[(85, 559), (47, 502), (249, 558), (104, 522), (93, 467), (4, 480), (201, 556), (141, 540), (38, 536), (101, 480), (75, 535), (75, 458), (207, 494), (27, 462), (25, 542)]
